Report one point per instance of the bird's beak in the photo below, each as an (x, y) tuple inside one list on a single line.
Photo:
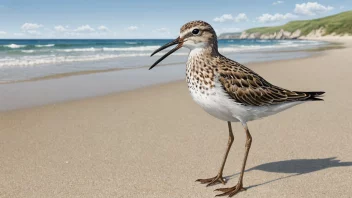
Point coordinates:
[(177, 41)]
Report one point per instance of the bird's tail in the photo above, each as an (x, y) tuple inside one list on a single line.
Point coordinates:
[(313, 95)]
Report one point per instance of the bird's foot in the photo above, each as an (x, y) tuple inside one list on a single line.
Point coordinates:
[(212, 181), (231, 191)]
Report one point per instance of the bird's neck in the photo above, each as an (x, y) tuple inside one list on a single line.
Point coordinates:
[(201, 58), (199, 69), (208, 50)]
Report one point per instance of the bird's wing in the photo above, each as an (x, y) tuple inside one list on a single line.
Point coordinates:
[(248, 88)]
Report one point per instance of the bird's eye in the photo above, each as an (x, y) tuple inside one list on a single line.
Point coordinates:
[(195, 31)]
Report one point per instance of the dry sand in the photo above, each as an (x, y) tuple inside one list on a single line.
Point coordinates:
[(155, 142)]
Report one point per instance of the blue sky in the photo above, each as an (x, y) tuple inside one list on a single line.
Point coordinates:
[(149, 19)]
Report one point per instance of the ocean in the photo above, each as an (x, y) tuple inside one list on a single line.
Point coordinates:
[(29, 59)]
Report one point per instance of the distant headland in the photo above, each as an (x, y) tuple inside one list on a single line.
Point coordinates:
[(336, 26)]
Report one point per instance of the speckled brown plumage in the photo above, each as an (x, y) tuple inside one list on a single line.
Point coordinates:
[(241, 84), (193, 24), (247, 87), (199, 75)]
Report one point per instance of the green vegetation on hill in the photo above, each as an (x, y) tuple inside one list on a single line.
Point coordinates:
[(339, 24)]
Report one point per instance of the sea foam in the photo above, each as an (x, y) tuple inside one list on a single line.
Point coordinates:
[(27, 51), (14, 46), (48, 45), (141, 48)]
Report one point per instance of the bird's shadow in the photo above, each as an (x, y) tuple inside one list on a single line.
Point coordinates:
[(295, 167)]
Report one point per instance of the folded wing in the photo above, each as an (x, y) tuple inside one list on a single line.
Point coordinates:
[(248, 88)]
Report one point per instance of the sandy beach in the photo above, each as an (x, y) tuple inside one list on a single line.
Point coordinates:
[(155, 141)]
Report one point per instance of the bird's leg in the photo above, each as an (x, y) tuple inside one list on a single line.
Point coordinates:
[(218, 178), (239, 186)]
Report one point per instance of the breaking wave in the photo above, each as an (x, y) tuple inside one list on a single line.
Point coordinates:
[(14, 46), (48, 45), (33, 53)]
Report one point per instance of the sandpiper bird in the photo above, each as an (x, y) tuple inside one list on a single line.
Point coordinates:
[(228, 90)]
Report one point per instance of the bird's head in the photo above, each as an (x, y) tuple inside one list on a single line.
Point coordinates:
[(193, 35)]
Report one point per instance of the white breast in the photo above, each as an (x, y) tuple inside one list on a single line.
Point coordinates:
[(215, 101), (218, 104), (211, 99)]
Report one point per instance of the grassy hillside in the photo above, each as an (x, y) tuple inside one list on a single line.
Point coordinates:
[(339, 24)]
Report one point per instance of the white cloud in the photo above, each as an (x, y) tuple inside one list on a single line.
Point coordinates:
[(84, 28), (241, 17), (132, 28), (223, 18), (79, 31), (342, 7), (268, 18), (30, 26), (311, 8), (103, 28), (60, 28), (278, 2), (228, 17), (3, 32), (31, 29)]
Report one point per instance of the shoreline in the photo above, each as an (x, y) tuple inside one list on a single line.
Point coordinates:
[(78, 73), (28, 94), (155, 141), (89, 70), (86, 84)]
